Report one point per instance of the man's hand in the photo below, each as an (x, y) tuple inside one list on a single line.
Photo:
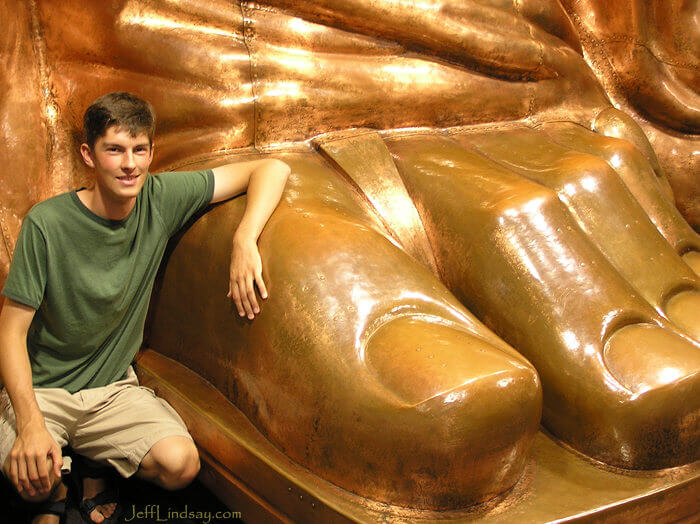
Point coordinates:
[(264, 181), (246, 270), (35, 451), (29, 465)]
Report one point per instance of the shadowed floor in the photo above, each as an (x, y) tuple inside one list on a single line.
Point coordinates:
[(143, 503)]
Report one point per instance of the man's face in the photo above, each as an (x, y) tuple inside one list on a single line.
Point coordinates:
[(121, 164)]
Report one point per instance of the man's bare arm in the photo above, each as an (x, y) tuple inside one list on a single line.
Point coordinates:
[(264, 180), (27, 465)]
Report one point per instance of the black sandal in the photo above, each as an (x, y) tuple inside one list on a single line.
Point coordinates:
[(109, 495)]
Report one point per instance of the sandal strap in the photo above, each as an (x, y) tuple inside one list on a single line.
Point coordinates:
[(51, 507), (108, 496)]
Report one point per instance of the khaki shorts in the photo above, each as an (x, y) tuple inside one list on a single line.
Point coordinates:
[(117, 424)]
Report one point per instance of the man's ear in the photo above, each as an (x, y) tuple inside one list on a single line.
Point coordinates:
[(86, 153)]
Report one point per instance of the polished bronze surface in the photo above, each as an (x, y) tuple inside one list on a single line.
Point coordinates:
[(639, 176), (645, 53), (326, 66), (255, 478), (604, 209), (397, 385), (452, 160), (23, 137), (364, 159), (537, 279)]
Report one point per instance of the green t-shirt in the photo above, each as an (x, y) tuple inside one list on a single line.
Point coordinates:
[(90, 278)]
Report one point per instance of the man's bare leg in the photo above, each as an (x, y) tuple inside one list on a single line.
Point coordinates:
[(172, 463), (56, 492)]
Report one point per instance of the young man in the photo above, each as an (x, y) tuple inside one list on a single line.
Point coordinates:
[(75, 306)]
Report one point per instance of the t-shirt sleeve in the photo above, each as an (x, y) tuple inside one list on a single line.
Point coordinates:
[(28, 269), (181, 194)]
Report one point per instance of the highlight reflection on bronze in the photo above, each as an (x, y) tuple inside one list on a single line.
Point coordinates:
[(543, 273), (475, 163), (645, 53), (602, 207)]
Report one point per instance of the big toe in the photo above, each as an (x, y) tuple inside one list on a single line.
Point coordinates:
[(105, 511), (97, 516)]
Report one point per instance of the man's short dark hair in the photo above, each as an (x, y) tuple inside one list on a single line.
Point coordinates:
[(120, 109)]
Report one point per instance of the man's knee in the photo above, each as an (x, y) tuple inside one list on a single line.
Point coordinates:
[(176, 461), (37, 497), (181, 464)]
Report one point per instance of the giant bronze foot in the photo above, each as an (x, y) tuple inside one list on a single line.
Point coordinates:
[(362, 366), (646, 183), (606, 211), (620, 383)]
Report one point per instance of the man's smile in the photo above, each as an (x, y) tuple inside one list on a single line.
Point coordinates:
[(128, 179)]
